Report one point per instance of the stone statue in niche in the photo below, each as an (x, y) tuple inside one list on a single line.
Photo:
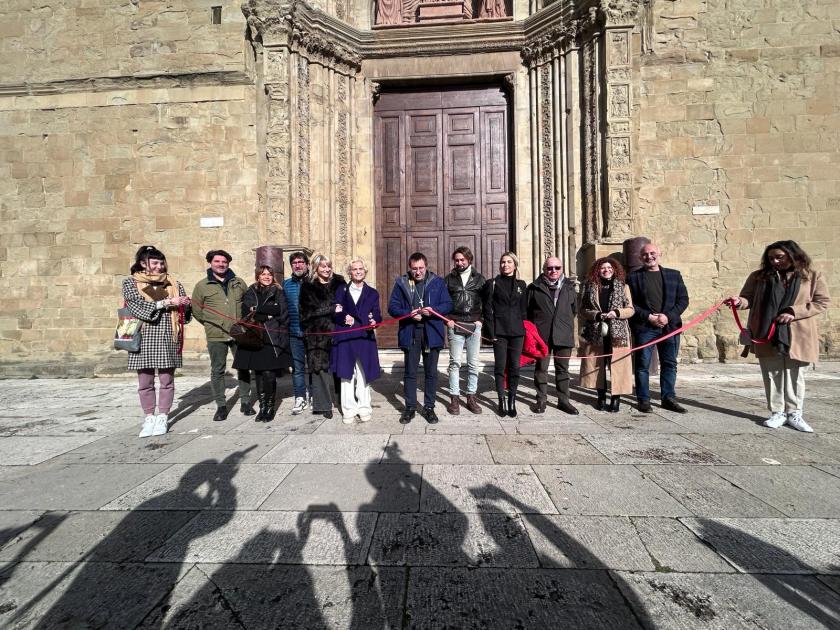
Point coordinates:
[(492, 9), (389, 12)]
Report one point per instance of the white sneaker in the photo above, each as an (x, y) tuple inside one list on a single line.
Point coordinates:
[(364, 418), (148, 426), (161, 424), (300, 405), (794, 419), (348, 419), (776, 419)]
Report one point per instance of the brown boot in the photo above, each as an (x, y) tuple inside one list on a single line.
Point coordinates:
[(472, 404), (454, 405)]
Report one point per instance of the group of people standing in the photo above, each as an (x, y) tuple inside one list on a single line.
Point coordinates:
[(322, 326)]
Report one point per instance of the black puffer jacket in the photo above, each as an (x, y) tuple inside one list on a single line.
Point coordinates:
[(466, 300), (317, 305)]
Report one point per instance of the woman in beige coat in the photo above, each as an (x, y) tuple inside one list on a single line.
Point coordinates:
[(785, 290), (606, 306)]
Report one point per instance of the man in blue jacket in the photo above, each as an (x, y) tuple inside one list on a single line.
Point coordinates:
[(659, 299), (299, 262), (418, 293)]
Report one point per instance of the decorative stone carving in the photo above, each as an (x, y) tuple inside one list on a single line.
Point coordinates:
[(619, 12), (303, 205), (589, 151), (619, 101), (342, 149), (492, 9), (619, 47), (620, 213), (556, 38), (547, 165), (389, 12)]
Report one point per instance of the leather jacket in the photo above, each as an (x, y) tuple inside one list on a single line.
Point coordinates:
[(466, 300)]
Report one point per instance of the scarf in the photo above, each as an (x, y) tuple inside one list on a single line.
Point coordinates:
[(619, 330), (777, 297), (157, 287)]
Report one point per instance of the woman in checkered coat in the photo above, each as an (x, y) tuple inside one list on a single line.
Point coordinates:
[(156, 298)]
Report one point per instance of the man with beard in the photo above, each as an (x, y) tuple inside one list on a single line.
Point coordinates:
[(299, 262)]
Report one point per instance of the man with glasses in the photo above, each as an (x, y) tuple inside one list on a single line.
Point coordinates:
[(465, 286), (659, 298), (552, 306), (299, 263), (418, 293)]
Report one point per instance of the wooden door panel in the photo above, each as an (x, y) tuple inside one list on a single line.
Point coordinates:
[(424, 170), (389, 178), (390, 264), (462, 169), (458, 238), (494, 244), (494, 180), (430, 244)]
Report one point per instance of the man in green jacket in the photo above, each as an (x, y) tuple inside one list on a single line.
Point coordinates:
[(217, 304)]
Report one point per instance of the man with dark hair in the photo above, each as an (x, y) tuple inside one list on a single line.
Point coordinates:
[(465, 286), (222, 291), (418, 293), (299, 262), (552, 306), (659, 299)]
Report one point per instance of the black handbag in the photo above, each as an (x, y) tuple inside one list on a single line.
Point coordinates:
[(246, 334)]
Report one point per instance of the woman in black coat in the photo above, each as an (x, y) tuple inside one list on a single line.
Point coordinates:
[(505, 304), (266, 300), (317, 305)]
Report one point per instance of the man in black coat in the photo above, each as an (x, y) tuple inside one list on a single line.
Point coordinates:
[(552, 306), (659, 299)]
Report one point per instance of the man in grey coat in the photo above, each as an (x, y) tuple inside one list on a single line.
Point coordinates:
[(552, 306)]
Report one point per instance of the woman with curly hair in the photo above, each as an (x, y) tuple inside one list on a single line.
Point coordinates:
[(787, 292), (606, 306)]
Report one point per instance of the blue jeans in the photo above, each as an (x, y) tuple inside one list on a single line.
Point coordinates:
[(456, 351), (668, 352), (298, 366), (412, 364)]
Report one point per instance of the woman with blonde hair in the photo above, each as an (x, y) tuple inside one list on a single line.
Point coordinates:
[(317, 307), (159, 301), (606, 305), (505, 304), (355, 359), (266, 301)]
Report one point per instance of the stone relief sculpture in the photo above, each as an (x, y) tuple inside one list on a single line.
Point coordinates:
[(492, 9), (388, 12)]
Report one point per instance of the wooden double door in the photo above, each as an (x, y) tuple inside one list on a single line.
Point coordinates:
[(441, 180)]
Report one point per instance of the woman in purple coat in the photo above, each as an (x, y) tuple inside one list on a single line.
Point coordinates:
[(355, 359)]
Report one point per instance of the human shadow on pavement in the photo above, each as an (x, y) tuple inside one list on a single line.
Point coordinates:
[(787, 577), (112, 587), (44, 526)]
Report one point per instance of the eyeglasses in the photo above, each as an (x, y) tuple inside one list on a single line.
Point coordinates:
[(650, 255), (554, 268)]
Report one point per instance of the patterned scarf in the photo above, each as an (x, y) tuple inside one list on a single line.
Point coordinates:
[(619, 329), (159, 286)]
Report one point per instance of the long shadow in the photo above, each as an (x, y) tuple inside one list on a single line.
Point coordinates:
[(44, 525), (118, 591)]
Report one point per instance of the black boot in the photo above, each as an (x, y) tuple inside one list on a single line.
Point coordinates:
[(502, 411), (511, 403), (602, 400), (268, 414), (615, 403), (261, 413)]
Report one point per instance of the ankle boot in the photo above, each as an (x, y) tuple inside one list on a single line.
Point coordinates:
[(602, 399), (261, 413), (511, 400), (268, 415), (503, 408), (454, 405), (615, 403)]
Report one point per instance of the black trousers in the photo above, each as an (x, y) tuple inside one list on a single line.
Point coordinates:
[(506, 353), (561, 373)]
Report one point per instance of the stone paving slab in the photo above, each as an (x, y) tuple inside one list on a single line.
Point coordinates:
[(14, 522), (801, 491), (758, 449), (774, 545), (27, 451), (441, 449), (725, 602), (349, 487), (209, 446), (831, 470), (501, 599), (675, 548), (272, 537), (543, 449), (652, 449), (606, 490), (703, 491), (476, 488), (485, 424), (125, 449), (587, 542), (205, 486), (825, 444), (95, 536), (328, 449), (452, 539), (555, 426), (72, 486), (287, 424), (636, 423)]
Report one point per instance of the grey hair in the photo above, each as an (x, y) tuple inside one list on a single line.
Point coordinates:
[(357, 259)]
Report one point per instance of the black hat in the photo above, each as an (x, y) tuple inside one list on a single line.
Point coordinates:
[(218, 252)]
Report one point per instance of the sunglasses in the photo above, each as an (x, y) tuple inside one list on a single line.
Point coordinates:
[(554, 268)]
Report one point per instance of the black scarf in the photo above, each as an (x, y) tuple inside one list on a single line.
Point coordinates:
[(777, 298)]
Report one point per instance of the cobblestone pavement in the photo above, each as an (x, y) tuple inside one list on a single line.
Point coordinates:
[(600, 520)]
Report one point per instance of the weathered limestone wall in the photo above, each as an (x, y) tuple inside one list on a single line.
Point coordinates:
[(738, 108)]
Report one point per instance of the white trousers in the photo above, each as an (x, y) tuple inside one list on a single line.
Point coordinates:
[(784, 383), (355, 394)]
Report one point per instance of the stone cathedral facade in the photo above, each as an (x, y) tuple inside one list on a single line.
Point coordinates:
[(378, 128)]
